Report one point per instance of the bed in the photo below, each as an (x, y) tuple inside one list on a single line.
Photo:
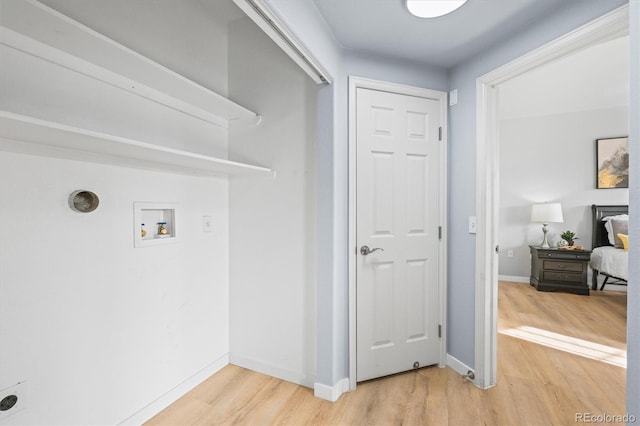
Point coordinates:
[(607, 260)]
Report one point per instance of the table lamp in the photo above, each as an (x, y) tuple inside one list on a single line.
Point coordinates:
[(546, 213)]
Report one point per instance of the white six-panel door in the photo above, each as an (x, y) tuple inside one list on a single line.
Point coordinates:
[(397, 211)]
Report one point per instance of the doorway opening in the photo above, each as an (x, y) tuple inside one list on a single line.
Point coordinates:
[(608, 27)]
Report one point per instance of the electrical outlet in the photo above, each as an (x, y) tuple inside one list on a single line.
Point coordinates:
[(509, 253), (13, 399), (207, 224)]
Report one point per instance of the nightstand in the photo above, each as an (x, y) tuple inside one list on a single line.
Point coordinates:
[(559, 270)]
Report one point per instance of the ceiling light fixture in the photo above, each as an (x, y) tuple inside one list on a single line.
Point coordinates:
[(433, 8)]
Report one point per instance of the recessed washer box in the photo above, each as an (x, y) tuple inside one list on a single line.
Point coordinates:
[(154, 224)]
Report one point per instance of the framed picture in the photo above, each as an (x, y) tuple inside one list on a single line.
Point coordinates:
[(612, 156)]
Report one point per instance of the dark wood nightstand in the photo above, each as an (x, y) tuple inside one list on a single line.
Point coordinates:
[(559, 270)]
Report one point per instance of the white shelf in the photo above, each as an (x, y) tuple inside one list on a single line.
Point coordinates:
[(19, 133), (37, 30)]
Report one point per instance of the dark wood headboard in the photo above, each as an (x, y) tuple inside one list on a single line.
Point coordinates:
[(599, 235)]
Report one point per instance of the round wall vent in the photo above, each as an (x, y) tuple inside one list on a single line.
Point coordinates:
[(8, 402), (83, 201)]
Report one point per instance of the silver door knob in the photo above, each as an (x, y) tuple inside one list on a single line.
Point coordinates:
[(365, 250)]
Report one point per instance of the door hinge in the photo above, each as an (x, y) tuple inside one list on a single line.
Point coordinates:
[(439, 133), (440, 232), (439, 331)]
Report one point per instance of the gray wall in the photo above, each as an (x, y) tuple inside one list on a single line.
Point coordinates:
[(462, 154), (303, 18)]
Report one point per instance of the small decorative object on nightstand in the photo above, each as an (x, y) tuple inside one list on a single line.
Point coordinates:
[(559, 270), (569, 237)]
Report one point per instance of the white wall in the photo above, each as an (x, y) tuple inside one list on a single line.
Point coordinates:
[(551, 158), (306, 22), (98, 328), (550, 118), (273, 220)]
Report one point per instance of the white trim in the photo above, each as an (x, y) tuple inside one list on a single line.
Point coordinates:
[(355, 83), (487, 191), (176, 393), (458, 366), (331, 393), (514, 279), (609, 26), (263, 16), (273, 370)]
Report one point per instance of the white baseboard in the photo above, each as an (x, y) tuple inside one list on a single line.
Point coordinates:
[(269, 369), (457, 365), (514, 279), (331, 393), (176, 393)]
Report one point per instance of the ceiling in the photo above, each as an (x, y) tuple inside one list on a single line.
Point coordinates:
[(378, 27), (595, 78), (385, 27)]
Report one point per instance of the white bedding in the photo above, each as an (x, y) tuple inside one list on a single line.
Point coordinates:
[(610, 260)]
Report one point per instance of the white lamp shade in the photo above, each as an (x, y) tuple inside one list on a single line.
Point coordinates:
[(546, 213)]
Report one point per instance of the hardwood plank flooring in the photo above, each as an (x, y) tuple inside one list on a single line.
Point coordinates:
[(538, 384)]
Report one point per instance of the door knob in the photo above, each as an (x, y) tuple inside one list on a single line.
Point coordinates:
[(365, 250)]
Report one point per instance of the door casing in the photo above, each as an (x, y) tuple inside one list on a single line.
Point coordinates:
[(354, 84)]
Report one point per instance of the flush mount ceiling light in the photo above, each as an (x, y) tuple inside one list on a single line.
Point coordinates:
[(433, 8)]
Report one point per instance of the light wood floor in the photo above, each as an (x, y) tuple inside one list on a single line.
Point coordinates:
[(537, 384)]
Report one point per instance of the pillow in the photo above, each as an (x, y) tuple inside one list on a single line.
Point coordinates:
[(625, 241), (608, 225), (618, 227)]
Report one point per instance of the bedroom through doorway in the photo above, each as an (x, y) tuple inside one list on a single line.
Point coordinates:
[(549, 119)]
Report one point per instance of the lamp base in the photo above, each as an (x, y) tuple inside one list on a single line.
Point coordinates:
[(545, 242)]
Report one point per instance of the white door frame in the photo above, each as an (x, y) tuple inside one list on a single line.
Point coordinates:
[(608, 27), (354, 84)]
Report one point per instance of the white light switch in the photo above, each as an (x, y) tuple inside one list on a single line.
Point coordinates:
[(453, 97), (472, 224), (207, 224)]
